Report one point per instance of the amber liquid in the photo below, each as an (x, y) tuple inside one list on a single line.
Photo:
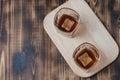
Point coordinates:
[(92, 56), (62, 19)]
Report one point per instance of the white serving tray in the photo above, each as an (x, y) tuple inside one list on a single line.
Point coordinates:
[(94, 32)]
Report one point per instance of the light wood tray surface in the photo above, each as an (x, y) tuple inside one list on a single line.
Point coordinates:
[(93, 32)]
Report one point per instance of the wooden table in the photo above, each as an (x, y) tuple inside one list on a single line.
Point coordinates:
[(26, 51)]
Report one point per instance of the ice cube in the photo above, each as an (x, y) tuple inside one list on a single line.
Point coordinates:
[(67, 25), (85, 59)]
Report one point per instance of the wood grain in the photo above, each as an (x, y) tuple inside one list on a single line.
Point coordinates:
[(21, 26)]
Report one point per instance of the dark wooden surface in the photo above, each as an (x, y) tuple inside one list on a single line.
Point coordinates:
[(29, 54)]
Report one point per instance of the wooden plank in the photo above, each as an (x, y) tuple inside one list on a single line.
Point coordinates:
[(4, 31), (0, 12), (49, 63)]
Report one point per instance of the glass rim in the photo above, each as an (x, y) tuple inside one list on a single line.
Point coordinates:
[(78, 48), (55, 17)]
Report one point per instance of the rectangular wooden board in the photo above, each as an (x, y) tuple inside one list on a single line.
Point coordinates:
[(94, 32)]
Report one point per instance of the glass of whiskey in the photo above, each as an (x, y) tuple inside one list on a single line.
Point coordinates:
[(86, 55), (66, 21)]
